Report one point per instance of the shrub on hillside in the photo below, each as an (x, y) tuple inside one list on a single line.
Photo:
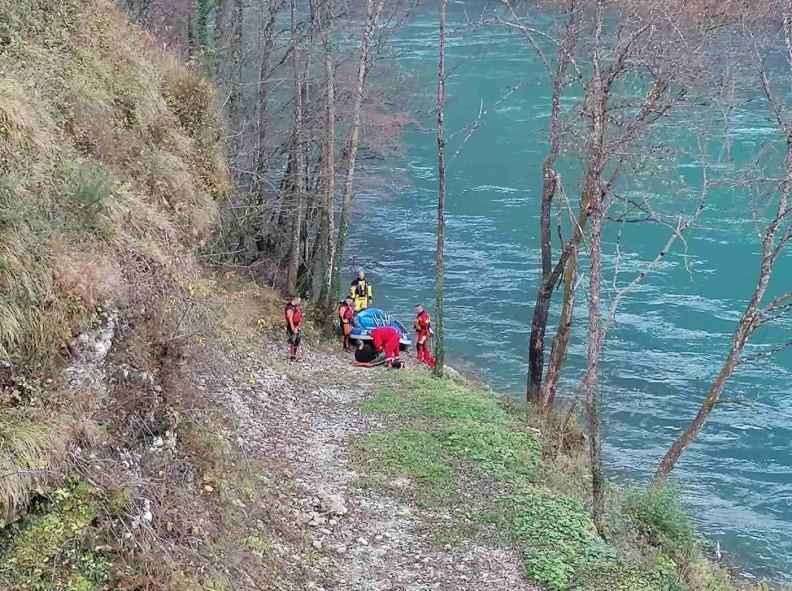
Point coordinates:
[(658, 515)]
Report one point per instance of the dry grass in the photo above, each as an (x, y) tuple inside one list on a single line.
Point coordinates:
[(109, 150), (29, 451)]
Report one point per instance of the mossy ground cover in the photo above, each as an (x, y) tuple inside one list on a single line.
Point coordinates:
[(51, 549), (448, 438)]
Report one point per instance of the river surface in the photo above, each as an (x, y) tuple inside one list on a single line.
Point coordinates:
[(672, 333)]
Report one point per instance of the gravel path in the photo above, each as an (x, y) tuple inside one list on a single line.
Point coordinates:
[(299, 420)]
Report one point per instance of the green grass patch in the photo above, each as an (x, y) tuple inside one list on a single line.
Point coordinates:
[(421, 396), (657, 513), (451, 433), (415, 454)]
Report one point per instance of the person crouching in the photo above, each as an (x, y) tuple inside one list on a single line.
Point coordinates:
[(386, 340), (293, 316)]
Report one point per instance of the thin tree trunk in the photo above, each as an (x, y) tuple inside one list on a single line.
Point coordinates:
[(296, 184), (544, 297), (594, 186), (373, 10), (441, 195), (327, 229), (592, 368), (536, 345), (748, 323), (558, 351), (236, 100), (262, 151)]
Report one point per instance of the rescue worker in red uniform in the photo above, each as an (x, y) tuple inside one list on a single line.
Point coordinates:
[(345, 314), (293, 316), (423, 330), (386, 340)]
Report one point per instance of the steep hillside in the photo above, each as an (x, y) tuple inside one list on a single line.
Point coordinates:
[(110, 169), (110, 166)]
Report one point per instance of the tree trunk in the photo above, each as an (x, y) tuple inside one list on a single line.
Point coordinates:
[(685, 438), (544, 294), (558, 351), (373, 10), (592, 368), (441, 195), (296, 183), (327, 229), (236, 100), (594, 187), (749, 321), (262, 150)]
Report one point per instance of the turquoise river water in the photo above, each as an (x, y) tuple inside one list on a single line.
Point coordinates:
[(671, 334)]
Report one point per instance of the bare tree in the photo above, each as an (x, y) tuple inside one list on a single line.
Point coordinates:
[(296, 162), (441, 196), (776, 236), (373, 11), (327, 224), (550, 184)]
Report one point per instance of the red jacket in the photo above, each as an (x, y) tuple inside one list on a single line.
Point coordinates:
[(345, 313), (295, 313), (386, 339), (423, 323)]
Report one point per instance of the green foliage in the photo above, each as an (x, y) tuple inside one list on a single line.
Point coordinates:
[(449, 432), (413, 453), (45, 551), (658, 515), (494, 448), (557, 535)]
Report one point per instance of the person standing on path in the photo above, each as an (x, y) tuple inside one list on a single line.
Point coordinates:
[(423, 330), (345, 315), (360, 291), (293, 316)]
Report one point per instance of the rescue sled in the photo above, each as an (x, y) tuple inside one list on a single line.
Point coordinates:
[(367, 320)]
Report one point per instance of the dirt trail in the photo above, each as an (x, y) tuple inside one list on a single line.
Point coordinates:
[(338, 535)]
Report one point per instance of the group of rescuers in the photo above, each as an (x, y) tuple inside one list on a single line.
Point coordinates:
[(385, 340)]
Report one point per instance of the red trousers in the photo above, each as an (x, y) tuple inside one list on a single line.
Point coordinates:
[(424, 354)]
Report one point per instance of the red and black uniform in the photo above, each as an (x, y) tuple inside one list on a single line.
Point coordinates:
[(423, 330), (386, 340), (345, 314), (293, 316)]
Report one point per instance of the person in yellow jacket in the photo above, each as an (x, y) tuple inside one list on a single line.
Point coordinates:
[(360, 291)]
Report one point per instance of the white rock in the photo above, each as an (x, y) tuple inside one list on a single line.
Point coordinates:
[(317, 544), (333, 504), (341, 550), (362, 541)]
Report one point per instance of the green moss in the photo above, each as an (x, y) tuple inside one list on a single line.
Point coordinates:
[(45, 551)]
